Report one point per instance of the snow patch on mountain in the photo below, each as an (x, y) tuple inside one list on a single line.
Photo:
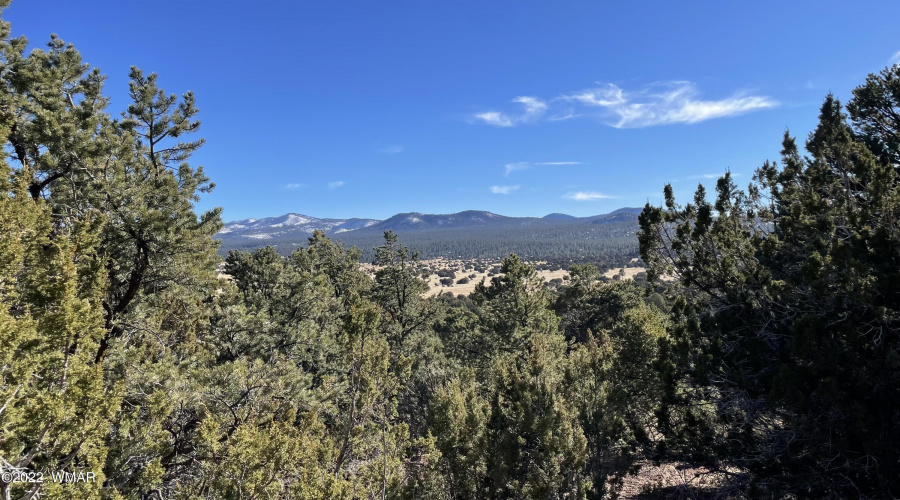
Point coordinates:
[(291, 225)]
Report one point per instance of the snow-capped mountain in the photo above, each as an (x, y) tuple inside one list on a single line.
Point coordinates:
[(419, 221), (288, 225), (450, 232)]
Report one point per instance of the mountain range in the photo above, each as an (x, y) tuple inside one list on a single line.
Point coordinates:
[(287, 225), (300, 226), (605, 238)]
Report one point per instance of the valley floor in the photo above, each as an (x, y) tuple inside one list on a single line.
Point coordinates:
[(458, 266)]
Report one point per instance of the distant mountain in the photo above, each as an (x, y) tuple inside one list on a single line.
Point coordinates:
[(626, 214), (287, 226), (419, 222), (294, 226), (559, 216), (607, 239), (628, 210)]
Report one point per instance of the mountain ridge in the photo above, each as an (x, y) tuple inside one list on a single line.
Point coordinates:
[(554, 215), (294, 224), (605, 239), (289, 224)]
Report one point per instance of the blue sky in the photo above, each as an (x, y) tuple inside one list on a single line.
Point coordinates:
[(367, 109)]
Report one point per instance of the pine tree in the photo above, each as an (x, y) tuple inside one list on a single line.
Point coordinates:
[(513, 308), (875, 111)]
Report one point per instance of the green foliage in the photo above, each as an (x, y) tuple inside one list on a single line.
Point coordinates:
[(769, 348), (560, 243), (458, 419), (611, 377), (399, 285), (513, 308), (538, 446), (55, 406), (787, 320), (874, 111)]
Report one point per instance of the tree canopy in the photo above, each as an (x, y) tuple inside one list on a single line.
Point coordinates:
[(788, 310), (762, 345)]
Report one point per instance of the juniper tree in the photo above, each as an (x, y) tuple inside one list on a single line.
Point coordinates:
[(513, 308), (533, 441), (417, 357), (55, 409), (787, 320), (612, 382), (398, 289)]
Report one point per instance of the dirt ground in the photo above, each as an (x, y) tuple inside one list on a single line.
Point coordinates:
[(675, 481)]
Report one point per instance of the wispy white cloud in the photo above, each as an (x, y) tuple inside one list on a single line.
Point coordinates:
[(335, 184), (895, 59), (534, 108), (512, 167), (391, 150), (563, 116), (663, 103), (294, 185), (495, 118), (503, 189), (524, 165), (586, 196), (610, 95)]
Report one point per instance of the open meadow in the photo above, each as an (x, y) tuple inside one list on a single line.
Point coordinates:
[(472, 272)]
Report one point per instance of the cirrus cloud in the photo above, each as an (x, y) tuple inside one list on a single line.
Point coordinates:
[(895, 59), (503, 189), (664, 103), (512, 167), (524, 165), (495, 118), (586, 196), (534, 108)]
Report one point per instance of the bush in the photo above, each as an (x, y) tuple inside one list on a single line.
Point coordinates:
[(446, 273)]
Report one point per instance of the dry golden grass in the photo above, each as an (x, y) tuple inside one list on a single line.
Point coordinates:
[(434, 281), (630, 272)]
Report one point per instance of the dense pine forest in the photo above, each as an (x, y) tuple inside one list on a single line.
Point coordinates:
[(763, 349), (606, 245)]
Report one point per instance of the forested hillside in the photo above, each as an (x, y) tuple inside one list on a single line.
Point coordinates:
[(605, 240), (767, 357)]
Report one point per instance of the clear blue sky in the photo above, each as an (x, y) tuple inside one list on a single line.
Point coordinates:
[(367, 109)]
